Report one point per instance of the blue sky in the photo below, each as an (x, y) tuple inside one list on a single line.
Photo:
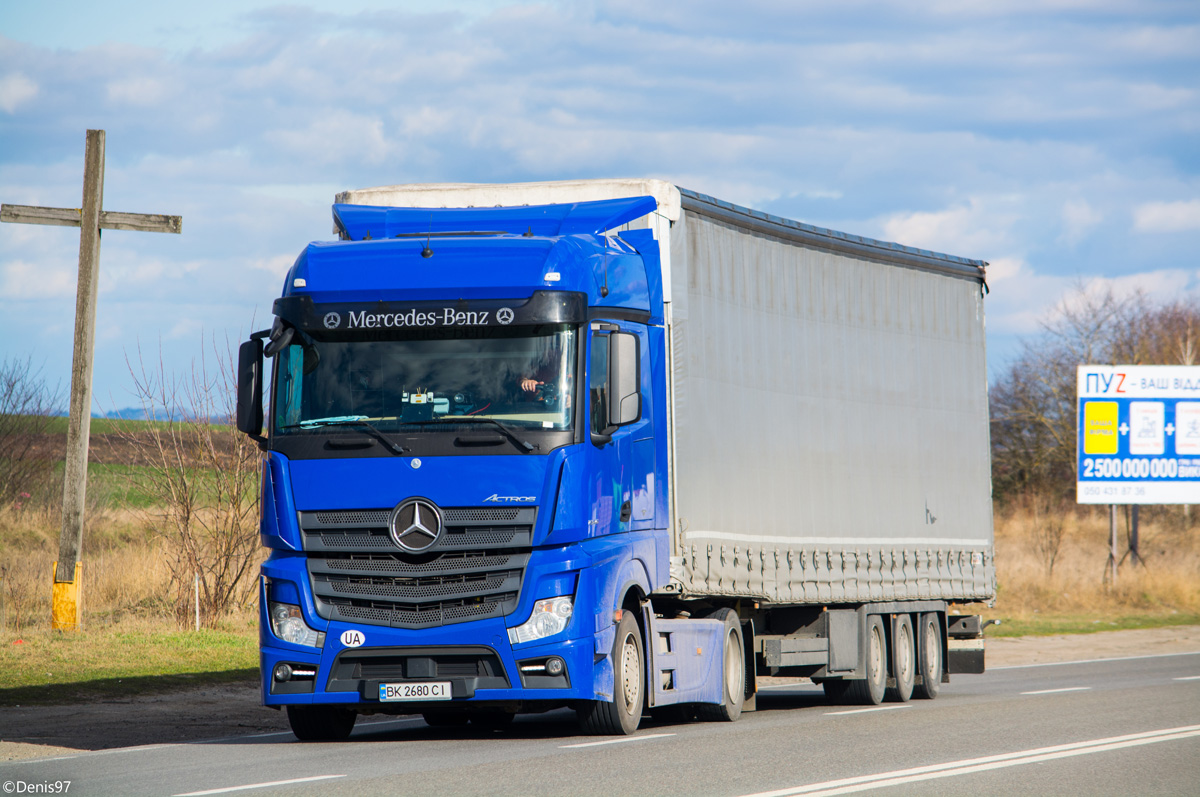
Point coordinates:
[(1057, 139)]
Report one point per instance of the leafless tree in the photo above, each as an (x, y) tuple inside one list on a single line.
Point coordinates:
[(26, 412), (1034, 403), (1049, 527), (204, 476)]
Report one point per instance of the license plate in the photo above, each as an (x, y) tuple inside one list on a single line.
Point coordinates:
[(395, 693)]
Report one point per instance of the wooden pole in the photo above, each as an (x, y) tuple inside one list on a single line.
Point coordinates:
[(66, 611), (80, 422), (66, 605)]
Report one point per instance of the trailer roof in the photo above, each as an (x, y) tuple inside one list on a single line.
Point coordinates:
[(671, 200), (819, 237)]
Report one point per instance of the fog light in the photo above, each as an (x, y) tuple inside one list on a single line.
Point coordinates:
[(554, 665), (283, 672)]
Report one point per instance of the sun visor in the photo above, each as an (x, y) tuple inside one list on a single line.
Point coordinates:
[(369, 222)]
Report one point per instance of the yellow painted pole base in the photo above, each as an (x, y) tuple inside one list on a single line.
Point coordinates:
[(67, 605)]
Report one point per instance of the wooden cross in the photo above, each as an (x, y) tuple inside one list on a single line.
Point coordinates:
[(90, 219)]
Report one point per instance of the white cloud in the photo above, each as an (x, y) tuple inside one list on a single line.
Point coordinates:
[(186, 328), (1078, 218), (1167, 216), (974, 229), (277, 265), (15, 89), (138, 90), (20, 279)]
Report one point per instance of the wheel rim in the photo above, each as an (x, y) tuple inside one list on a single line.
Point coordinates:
[(933, 654), (904, 656), (734, 679), (875, 664), (631, 680)]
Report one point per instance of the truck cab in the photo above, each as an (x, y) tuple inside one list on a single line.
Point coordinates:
[(462, 487)]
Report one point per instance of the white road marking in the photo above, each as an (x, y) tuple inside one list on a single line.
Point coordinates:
[(1057, 691), (616, 741), (82, 753), (1188, 678), (971, 765), (259, 785), (863, 710), (1093, 661)]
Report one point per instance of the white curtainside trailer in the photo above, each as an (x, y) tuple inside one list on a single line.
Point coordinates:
[(828, 453)]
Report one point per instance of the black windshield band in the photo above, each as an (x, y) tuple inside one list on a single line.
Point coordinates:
[(544, 307)]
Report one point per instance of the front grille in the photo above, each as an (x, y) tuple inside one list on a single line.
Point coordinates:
[(473, 571)]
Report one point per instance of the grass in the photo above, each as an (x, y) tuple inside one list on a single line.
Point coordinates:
[(1074, 596), (1081, 623), (42, 666)]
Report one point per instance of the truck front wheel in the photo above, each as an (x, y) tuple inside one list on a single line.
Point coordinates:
[(734, 671), (621, 715), (321, 723)]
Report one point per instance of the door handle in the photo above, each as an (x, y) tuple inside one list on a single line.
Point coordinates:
[(626, 511)]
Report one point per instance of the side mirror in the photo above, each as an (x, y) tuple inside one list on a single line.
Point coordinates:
[(250, 388), (624, 379)]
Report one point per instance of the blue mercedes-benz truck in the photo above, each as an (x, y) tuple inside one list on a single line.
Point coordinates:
[(616, 446)]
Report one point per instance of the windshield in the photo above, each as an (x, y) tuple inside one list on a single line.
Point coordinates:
[(521, 377)]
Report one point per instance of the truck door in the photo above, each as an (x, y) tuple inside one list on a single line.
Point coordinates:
[(622, 467)]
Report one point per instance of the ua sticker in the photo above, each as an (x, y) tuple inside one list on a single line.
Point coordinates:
[(353, 638)]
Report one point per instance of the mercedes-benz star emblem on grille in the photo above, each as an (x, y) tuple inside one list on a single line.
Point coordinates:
[(416, 524)]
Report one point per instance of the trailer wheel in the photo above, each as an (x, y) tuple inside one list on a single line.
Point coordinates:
[(869, 691), (621, 715), (321, 723), (904, 660), (930, 653), (733, 691)]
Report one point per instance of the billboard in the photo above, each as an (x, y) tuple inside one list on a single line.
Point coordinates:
[(1138, 434)]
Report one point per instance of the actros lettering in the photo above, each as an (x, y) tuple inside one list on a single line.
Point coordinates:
[(509, 499)]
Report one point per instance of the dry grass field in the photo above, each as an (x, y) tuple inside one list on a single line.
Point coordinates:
[(1076, 594)]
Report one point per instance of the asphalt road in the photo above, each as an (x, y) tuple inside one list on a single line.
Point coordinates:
[(1123, 726)]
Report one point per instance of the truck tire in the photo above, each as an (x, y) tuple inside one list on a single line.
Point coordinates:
[(869, 690), (621, 715), (929, 652), (321, 723), (904, 660), (733, 682)]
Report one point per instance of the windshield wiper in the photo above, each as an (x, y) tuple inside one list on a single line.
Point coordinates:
[(349, 420), (508, 432)]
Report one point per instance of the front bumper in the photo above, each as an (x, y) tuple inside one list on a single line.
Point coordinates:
[(475, 657), (353, 675)]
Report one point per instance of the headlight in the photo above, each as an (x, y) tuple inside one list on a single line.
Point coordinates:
[(288, 624), (549, 617)]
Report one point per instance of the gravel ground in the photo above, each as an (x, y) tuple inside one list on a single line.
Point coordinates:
[(233, 710)]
